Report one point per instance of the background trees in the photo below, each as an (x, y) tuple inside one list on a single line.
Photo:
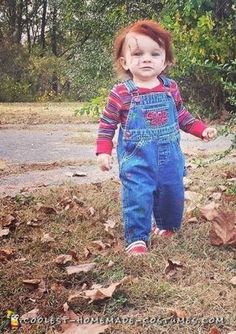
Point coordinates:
[(57, 49)]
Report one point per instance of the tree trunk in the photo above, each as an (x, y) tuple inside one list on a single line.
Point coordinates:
[(54, 31), (42, 37)]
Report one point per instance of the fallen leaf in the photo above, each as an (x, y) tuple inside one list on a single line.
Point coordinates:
[(86, 267), (178, 313), (63, 259), (192, 220), (209, 211), (192, 196), (46, 238), (30, 315), (87, 252), (45, 209), (32, 284), (73, 254), (66, 307), (79, 174), (9, 220), (187, 183), (222, 188), (233, 280), (7, 253), (110, 264), (42, 286), (215, 196), (171, 267), (91, 211), (32, 281), (98, 292), (214, 330), (4, 232), (223, 229), (100, 245), (110, 224), (103, 293), (33, 223), (22, 259)]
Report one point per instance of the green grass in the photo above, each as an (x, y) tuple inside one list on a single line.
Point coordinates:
[(201, 288)]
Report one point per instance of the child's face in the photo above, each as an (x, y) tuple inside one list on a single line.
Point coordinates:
[(143, 57)]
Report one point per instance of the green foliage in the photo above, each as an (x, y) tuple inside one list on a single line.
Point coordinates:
[(95, 106), (75, 59), (204, 41)]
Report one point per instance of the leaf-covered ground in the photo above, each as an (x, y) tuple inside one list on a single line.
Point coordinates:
[(185, 277)]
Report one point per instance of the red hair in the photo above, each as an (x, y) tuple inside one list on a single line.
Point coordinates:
[(148, 28)]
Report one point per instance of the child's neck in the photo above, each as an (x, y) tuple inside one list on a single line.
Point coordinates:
[(147, 84)]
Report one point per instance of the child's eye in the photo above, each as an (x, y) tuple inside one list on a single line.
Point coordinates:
[(156, 54), (137, 54)]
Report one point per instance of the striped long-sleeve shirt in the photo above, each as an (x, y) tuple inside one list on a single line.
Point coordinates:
[(117, 108)]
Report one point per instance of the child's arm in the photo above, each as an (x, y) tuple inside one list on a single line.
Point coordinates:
[(187, 122), (108, 124)]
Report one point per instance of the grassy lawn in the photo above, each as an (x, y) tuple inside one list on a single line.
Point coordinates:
[(74, 217), (39, 113)]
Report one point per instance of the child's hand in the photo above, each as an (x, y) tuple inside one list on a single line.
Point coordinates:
[(104, 161), (209, 134)]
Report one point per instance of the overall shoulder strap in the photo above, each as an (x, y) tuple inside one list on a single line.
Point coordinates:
[(166, 81), (131, 87)]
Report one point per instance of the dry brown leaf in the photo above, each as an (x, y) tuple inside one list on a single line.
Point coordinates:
[(178, 313), (9, 220), (87, 252), (80, 268), (63, 259), (110, 224), (233, 280), (46, 238), (223, 229), (214, 330), (100, 245), (45, 209), (215, 196), (73, 254), (92, 211), (33, 282), (85, 329), (209, 211), (30, 315), (7, 253), (4, 232), (172, 267), (97, 292), (33, 223), (110, 264), (192, 220), (22, 259), (192, 196), (103, 293)]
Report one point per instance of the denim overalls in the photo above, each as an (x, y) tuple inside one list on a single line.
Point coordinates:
[(151, 164)]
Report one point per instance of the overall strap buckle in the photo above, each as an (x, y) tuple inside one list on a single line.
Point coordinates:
[(133, 90)]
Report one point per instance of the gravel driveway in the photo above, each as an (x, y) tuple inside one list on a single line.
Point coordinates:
[(54, 143)]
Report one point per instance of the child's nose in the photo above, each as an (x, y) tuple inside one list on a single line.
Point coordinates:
[(146, 58)]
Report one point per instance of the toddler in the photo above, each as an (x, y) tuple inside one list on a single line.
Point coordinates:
[(150, 111)]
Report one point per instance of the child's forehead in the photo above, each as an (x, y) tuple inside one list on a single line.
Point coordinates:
[(136, 40)]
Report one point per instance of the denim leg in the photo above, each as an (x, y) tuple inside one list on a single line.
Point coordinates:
[(169, 196), (168, 211), (137, 203)]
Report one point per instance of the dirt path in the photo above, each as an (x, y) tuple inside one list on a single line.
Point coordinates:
[(50, 143)]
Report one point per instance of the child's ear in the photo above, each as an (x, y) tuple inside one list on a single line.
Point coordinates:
[(123, 63)]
